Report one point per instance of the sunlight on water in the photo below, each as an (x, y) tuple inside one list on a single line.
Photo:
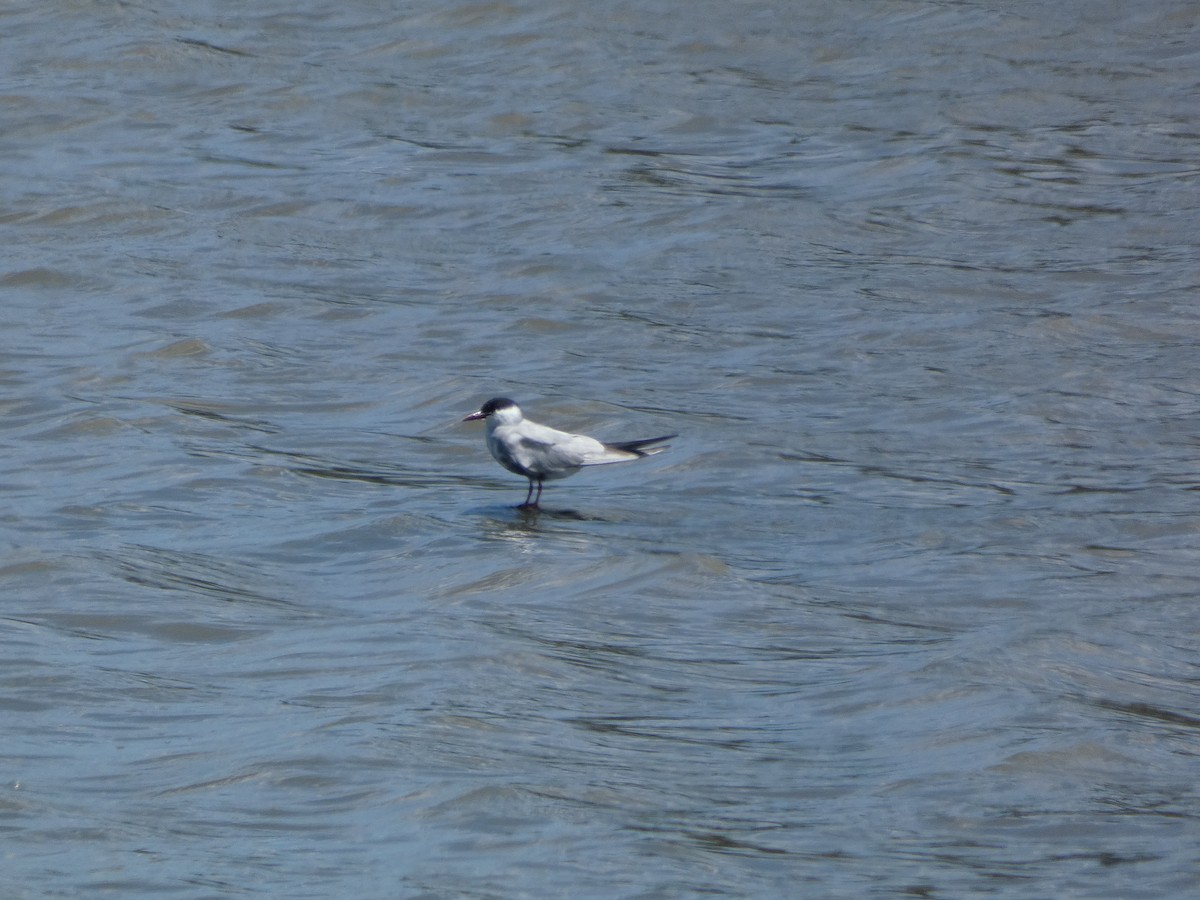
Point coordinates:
[(907, 607)]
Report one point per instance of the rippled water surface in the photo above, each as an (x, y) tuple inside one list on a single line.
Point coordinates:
[(909, 608)]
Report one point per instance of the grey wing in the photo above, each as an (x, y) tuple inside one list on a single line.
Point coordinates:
[(550, 458)]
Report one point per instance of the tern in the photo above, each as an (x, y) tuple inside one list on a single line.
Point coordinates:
[(541, 453)]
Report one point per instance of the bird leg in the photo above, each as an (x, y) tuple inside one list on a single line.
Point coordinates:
[(529, 494)]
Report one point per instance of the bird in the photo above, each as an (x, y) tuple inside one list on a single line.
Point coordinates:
[(541, 453)]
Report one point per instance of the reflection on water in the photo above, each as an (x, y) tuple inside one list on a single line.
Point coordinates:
[(907, 608)]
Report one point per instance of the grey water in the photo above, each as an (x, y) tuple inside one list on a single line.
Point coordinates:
[(910, 608)]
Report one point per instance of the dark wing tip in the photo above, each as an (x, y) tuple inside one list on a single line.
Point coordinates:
[(638, 446)]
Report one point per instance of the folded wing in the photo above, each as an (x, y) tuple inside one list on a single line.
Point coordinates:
[(624, 451), (548, 453)]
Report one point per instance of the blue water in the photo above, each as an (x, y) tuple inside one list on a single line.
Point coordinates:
[(907, 609)]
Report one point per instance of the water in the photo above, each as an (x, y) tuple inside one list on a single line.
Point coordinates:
[(909, 608)]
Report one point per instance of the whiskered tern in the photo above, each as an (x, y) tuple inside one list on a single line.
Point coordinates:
[(541, 453)]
